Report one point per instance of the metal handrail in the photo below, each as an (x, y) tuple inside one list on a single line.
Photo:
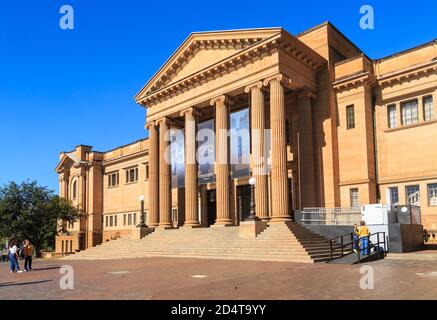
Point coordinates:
[(351, 235)]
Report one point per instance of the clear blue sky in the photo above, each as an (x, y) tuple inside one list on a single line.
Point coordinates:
[(62, 88)]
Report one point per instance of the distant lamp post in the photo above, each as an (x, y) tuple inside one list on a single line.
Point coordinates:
[(252, 216), (142, 223)]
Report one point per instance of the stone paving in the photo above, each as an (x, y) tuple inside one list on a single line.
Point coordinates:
[(197, 279)]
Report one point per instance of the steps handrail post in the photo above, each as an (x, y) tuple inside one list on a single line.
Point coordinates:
[(342, 247), (330, 253)]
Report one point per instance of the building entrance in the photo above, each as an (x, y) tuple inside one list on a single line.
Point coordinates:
[(212, 207), (243, 202)]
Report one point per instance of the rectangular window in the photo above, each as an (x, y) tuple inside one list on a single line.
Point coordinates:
[(355, 198), (410, 114), (413, 194), (71, 245), (62, 245), (115, 220), (428, 108), (350, 117), (432, 194), (106, 222), (135, 219), (147, 171), (113, 179), (111, 221), (391, 115), (394, 195), (124, 219), (129, 219), (132, 175)]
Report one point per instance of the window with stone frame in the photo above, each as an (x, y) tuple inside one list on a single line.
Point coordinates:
[(350, 117), (132, 175), (413, 194), (410, 113), (428, 112), (355, 198), (432, 194), (394, 195), (113, 179), (392, 116)]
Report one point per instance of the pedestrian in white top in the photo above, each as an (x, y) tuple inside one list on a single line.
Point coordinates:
[(13, 257)]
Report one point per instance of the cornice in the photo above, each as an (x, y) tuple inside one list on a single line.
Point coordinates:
[(355, 81), (140, 154), (408, 74)]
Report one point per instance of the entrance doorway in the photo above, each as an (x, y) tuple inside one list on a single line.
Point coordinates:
[(243, 202), (212, 207)]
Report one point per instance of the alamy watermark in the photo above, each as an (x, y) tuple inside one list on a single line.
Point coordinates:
[(66, 22), (66, 282)]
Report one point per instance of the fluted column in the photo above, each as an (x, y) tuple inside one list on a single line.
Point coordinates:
[(165, 219), (279, 151), (222, 161), (191, 183), (153, 191), (259, 167), (306, 150)]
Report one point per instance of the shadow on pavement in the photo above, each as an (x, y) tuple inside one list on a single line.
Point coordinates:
[(46, 268), (10, 284)]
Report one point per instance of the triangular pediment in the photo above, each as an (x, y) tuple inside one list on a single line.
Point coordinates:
[(201, 50), (67, 161)]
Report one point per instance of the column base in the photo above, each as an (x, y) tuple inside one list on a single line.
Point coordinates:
[(165, 226), (222, 224), (280, 219), (265, 218), (192, 224)]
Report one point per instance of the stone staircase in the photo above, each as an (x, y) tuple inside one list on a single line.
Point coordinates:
[(278, 242)]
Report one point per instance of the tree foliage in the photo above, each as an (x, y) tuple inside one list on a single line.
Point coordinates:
[(29, 211)]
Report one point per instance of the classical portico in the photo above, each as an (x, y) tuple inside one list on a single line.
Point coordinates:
[(268, 72)]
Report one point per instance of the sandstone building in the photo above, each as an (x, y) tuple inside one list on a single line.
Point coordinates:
[(345, 129)]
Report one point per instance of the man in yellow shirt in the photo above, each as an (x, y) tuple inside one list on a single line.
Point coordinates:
[(363, 234)]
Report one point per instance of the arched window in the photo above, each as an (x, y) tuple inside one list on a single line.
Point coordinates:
[(74, 190)]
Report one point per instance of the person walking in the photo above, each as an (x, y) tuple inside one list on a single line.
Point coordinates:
[(363, 235), (13, 257), (355, 237), (28, 253)]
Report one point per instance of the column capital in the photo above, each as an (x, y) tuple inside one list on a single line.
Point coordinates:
[(150, 124), (257, 84), (286, 81), (193, 111), (305, 93), (164, 121), (222, 98)]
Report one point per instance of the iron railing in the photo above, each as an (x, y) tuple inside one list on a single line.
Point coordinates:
[(331, 216), (344, 244)]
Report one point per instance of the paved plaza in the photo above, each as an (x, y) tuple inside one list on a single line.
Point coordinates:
[(197, 279)]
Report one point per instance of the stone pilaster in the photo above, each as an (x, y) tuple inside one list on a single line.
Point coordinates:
[(153, 215), (258, 165), (222, 160), (191, 181), (306, 150), (165, 219), (279, 152)]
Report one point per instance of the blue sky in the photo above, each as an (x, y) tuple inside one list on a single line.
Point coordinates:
[(60, 88)]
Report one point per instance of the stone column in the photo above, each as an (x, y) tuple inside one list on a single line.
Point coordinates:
[(258, 163), (279, 150), (153, 192), (165, 219), (222, 161), (306, 150), (191, 170)]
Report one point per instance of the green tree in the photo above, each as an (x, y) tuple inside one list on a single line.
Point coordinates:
[(29, 211)]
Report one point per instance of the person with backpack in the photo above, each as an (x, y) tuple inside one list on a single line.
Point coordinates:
[(356, 237), (363, 234), (13, 257)]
